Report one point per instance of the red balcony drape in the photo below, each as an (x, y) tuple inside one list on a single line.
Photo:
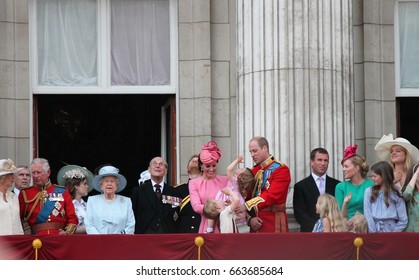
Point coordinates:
[(288, 246)]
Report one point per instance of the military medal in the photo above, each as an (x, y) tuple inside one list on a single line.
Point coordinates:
[(55, 212), (173, 200)]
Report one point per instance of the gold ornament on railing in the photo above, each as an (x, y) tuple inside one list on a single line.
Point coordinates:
[(358, 242), (36, 244), (199, 241)]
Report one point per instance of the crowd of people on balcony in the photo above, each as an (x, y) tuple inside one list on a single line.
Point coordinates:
[(245, 200)]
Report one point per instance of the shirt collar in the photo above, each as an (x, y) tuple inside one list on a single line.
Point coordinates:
[(315, 177), (161, 184)]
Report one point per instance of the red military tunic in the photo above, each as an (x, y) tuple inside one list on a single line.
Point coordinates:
[(62, 215), (270, 194)]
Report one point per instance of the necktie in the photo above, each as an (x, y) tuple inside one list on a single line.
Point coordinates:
[(158, 191), (321, 185)]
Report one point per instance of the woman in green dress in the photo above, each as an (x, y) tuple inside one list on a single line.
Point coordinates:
[(355, 170), (411, 196)]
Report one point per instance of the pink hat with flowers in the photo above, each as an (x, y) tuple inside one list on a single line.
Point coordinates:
[(210, 153)]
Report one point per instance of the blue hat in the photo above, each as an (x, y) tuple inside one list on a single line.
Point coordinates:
[(109, 171)]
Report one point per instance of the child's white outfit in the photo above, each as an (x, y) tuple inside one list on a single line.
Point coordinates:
[(234, 186), (227, 221)]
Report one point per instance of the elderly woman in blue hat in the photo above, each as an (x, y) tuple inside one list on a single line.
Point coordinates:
[(78, 180), (108, 212)]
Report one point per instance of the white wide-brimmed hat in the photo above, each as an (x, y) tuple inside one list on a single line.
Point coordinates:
[(383, 147), (109, 171), (144, 176), (7, 167), (74, 171)]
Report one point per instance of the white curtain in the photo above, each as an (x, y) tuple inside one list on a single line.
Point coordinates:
[(409, 44), (67, 42), (140, 42)]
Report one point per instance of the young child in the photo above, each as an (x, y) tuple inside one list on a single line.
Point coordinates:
[(330, 217), (217, 209), (356, 224), (384, 208), (240, 181)]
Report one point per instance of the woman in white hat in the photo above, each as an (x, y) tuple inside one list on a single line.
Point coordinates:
[(401, 155), (9, 204), (78, 180), (108, 212)]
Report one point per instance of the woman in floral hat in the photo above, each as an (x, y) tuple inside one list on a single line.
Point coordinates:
[(78, 180), (355, 171), (208, 184)]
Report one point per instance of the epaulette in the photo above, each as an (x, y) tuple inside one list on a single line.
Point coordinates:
[(181, 184), (280, 162)]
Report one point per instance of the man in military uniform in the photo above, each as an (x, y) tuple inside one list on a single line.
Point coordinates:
[(46, 208), (188, 220), (266, 203)]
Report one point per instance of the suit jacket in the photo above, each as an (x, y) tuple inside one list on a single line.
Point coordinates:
[(305, 199), (151, 215), (188, 220)]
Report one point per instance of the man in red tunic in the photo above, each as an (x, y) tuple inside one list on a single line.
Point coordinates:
[(266, 203), (44, 207)]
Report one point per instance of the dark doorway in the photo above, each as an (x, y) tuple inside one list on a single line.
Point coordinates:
[(408, 119), (90, 130)]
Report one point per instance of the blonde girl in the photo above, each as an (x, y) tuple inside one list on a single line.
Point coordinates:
[(330, 217)]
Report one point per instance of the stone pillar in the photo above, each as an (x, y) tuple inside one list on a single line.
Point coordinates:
[(14, 81), (207, 79), (295, 79)]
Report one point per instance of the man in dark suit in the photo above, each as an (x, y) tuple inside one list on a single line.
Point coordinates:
[(154, 202), (188, 220), (308, 190)]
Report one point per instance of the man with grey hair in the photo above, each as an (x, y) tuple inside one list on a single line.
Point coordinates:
[(154, 202), (46, 208)]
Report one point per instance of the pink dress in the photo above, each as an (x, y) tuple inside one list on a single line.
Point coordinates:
[(200, 191)]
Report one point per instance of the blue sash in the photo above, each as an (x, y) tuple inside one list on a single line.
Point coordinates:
[(48, 206), (266, 174)]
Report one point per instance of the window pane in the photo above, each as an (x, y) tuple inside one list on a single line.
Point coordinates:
[(409, 42), (140, 42), (67, 42)]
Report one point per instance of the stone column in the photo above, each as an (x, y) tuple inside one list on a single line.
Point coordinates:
[(295, 79), (14, 81)]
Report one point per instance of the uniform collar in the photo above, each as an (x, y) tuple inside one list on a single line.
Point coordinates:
[(46, 186), (267, 161)]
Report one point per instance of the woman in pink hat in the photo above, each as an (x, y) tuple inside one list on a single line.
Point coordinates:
[(208, 184)]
